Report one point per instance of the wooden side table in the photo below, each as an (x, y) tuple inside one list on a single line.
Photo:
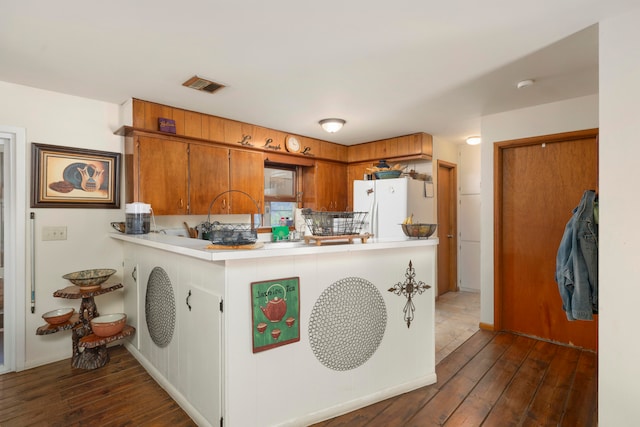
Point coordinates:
[(89, 350)]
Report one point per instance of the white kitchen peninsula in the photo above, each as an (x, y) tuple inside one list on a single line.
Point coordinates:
[(355, 346)]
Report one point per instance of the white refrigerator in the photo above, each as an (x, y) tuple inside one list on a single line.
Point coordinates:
[(390, 201)]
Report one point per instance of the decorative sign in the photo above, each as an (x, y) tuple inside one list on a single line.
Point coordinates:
[(275, 311), (245, 141), (166, 125), (409, 289)]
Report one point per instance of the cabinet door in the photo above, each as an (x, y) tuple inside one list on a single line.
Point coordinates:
[(247, 175), (208, 178), (200, 351), (163, 175), (331, 186)]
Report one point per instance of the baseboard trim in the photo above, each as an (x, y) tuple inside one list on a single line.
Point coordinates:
[(486, 326)]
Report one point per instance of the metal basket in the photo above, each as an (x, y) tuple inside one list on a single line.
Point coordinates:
[(323, 223), (230, 234)]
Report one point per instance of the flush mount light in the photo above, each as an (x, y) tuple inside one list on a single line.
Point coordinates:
[(525, 83), (332, 125), (474, 140)]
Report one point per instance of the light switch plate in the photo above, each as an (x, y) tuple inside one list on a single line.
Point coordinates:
[(54, 233)]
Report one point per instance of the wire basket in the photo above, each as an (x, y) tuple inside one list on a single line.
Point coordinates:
[(323, 223), (230, 234)]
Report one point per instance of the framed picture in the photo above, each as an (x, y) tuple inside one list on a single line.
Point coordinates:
[(65, 177), (275, 309)]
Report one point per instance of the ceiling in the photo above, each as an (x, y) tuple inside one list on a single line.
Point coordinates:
[(387, 68)]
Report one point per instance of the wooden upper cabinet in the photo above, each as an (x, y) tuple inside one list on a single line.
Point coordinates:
[(208, 178), (162, 173), (331, 190), (414, 146), (246, 175)]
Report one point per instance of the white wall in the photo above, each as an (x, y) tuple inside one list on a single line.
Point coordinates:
[(57, 119), (565, 116), (619, 243)]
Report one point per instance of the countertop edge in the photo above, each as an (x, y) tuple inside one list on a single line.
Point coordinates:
[(196, 248)]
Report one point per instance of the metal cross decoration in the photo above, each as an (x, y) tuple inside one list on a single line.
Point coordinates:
[(409, 289)]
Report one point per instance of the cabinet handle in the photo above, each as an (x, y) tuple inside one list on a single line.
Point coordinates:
[(224, 203), (134, 273), (181, 205), (187, 301), (450, 236)]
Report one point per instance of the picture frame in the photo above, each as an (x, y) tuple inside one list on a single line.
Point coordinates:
[(275, 312), (66, 177)]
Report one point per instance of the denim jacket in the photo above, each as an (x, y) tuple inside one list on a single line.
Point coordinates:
[(577, 262)]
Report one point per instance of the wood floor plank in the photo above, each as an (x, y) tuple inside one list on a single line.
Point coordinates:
[(461, 356), (511, 408), (548, 404), (582, 403), (455, 391), (489, 388), (357, 418)]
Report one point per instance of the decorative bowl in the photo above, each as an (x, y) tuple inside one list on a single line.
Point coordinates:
[(59, 316), (392, 173), (108, 324), (421, 231), (92, 277)]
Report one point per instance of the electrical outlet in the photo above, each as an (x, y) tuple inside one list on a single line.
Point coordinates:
[(54, 233)]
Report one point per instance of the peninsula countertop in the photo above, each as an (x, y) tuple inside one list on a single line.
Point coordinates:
[(197, 248)]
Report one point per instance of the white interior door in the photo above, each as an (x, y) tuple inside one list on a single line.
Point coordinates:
[(13, 200), (3, 142)]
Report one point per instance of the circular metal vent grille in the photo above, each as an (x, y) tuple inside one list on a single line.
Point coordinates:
[(160, 307), (347, 324)]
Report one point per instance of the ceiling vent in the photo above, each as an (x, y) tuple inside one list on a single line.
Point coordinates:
[(198, 83)]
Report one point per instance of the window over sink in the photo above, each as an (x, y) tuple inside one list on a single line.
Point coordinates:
[(280, 194)]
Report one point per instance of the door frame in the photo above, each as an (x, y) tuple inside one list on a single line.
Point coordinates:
[(453, 214), (15, 278), (498, 152)]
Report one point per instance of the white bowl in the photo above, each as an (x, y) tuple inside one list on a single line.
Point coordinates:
[(59, 316), (108, 324)]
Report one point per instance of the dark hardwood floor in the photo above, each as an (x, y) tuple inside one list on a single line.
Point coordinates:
[(493, 379), (496, 379), (121, 393)]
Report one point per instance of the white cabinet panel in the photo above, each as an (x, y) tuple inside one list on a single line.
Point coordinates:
[(469, 170), (470, 218), (199, 324), (469, 266)]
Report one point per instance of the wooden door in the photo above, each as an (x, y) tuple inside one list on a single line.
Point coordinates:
[(208, 178), (539, 181), (246, 169), (447, 229), (163, 175)]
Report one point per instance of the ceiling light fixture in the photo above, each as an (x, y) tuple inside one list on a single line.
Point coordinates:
[(525, 83), (332, 125), (474, 140)]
